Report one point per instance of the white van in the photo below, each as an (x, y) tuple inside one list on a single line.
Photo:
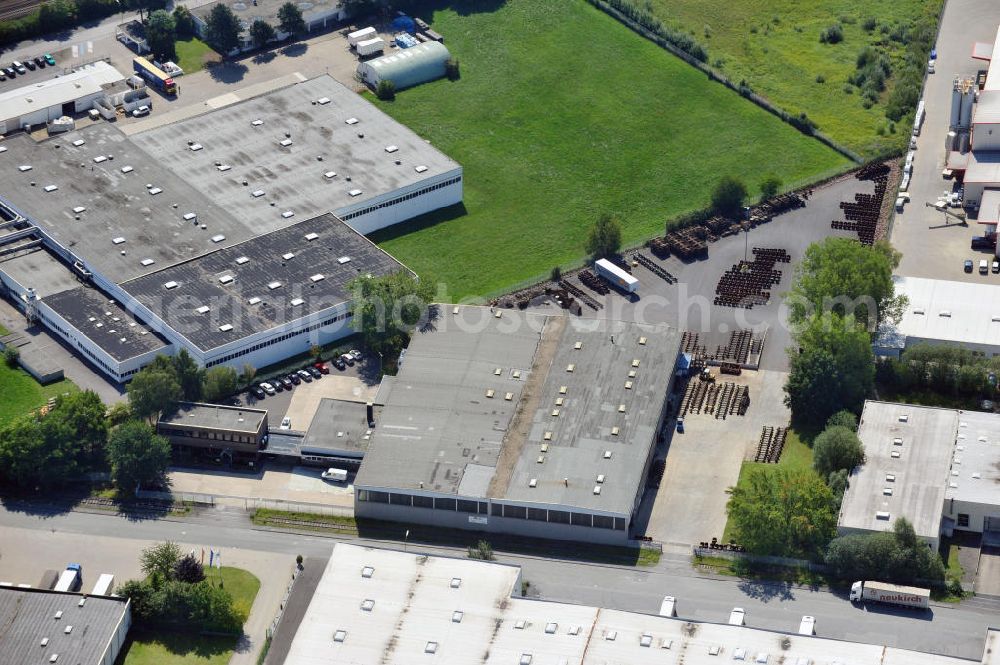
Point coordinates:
[(984, 267), (336, 475)]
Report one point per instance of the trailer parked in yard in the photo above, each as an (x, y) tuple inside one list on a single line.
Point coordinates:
[(361, 35), (371, 47), (104, 585), (890, 594), (616, 276), (71, 578)]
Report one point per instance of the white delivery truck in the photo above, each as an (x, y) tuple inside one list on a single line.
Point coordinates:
[(104, 585), (808, 625), (335, 475), (361, 35), (890, 594), (616, 276), (371, 47)]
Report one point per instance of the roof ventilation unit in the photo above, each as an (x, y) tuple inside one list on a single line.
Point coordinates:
[(257, 123), (288, 256), (195, 147), (882, 515), (226, 279), (170, 285), (218, 238), (225, 327), (355, 192), (273, 285), (317, 277), (322, 101), (351, 121), (420, 169), (391, 148), (344, 259)]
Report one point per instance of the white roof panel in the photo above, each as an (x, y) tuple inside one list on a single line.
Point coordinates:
[(54, 92)]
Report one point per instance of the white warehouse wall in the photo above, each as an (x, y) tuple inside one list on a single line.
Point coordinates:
[(387, 215)]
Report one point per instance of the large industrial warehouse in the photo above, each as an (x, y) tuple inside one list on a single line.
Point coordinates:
[(520, 423), (375, 606), (232, 234), (938, 468)]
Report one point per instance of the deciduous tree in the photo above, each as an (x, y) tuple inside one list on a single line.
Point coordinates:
[(222, 29), (161, 34), (604, 238), (220, 381), (387, 308), (153, 391), (290, 19), (137, 455), (728, 197), (261, 33), (836, 449), (781, 512), (160, 559)]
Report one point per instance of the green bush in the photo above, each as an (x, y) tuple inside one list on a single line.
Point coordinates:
[(643, 16), (11, 356), (451, 69), (836, 449), (386, 90), (843, 419), (897, 556), (728, 197), (832, 35)]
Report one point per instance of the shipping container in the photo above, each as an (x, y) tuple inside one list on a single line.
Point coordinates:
[(364, 34), (616, 276)]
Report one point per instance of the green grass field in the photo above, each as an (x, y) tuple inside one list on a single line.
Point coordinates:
[(193, 54), (170, 648), (774, 45), (22, 394), (562, 114), (795, 456), (178, 649)]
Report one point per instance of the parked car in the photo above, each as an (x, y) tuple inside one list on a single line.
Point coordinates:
[(30, 65), (347, 358), (983, 267), (141, 111), (40, 61), (968, 265), (9, 71), (322, 367), (996, 266), (306, 376), (3, 77), (278, 388), (49, 59), (355, 354), (315, 372), (18, 67), (339, 364), (268, 388), (257, 392), (286, 383), (294, 378), (286, 423)]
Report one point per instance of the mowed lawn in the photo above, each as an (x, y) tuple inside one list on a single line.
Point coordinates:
[(563, 114), (774, 45), (193, 54), (22, 394), (174, 648)]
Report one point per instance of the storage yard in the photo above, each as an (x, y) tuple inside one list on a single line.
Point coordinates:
[(535, 181)]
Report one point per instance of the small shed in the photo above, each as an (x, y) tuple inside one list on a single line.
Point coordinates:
[(407, 67)]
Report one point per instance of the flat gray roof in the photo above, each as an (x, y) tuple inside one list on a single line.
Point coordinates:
[(216, 416), (292, 276), (249, 11), (38, 269), (915, 453), (339, 427), (292, 176), (474, 405), (122, 225), (975, 469), (105, 322), (28, 616)]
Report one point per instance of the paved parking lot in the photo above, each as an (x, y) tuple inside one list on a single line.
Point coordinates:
[(988, 577), (302, 484), (705, 461), (931, 248)]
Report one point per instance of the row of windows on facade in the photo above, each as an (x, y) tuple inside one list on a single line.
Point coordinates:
[(279, 338), (494, 509), (121, 377), (214, 436), (401, 199)]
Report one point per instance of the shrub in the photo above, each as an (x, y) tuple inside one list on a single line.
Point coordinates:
[(451, 69), (643, 16), (843, 419), (188, 569), (896, 556), (836, 449), (604, 238), (728, 197), (556, 274), (769, 186), (832, 35), (869, 24), (820, 78), (482, 551), (11, 356), (386, 90)]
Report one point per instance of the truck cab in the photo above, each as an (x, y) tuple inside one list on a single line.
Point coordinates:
[(856, 590)]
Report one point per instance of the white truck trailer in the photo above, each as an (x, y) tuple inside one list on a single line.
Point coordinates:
[(616, 276), (104, 585), (890, 594), (71, 578), (361, 35), (371, 46)]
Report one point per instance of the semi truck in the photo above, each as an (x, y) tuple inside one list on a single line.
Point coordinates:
[(890, 594), (71, 578), (370, 47), (104, 585), (155, 76), (616, 276)]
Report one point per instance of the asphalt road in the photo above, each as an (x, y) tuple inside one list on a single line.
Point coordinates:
[(951, 630)]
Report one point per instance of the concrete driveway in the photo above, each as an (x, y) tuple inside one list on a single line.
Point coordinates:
[(299, 484), (988, 577)]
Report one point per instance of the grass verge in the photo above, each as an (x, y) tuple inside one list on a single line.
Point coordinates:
[(193, 54), (241, 584), (22, 394), (551, 135), (774, 46), (163, 648), (281, 519)]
